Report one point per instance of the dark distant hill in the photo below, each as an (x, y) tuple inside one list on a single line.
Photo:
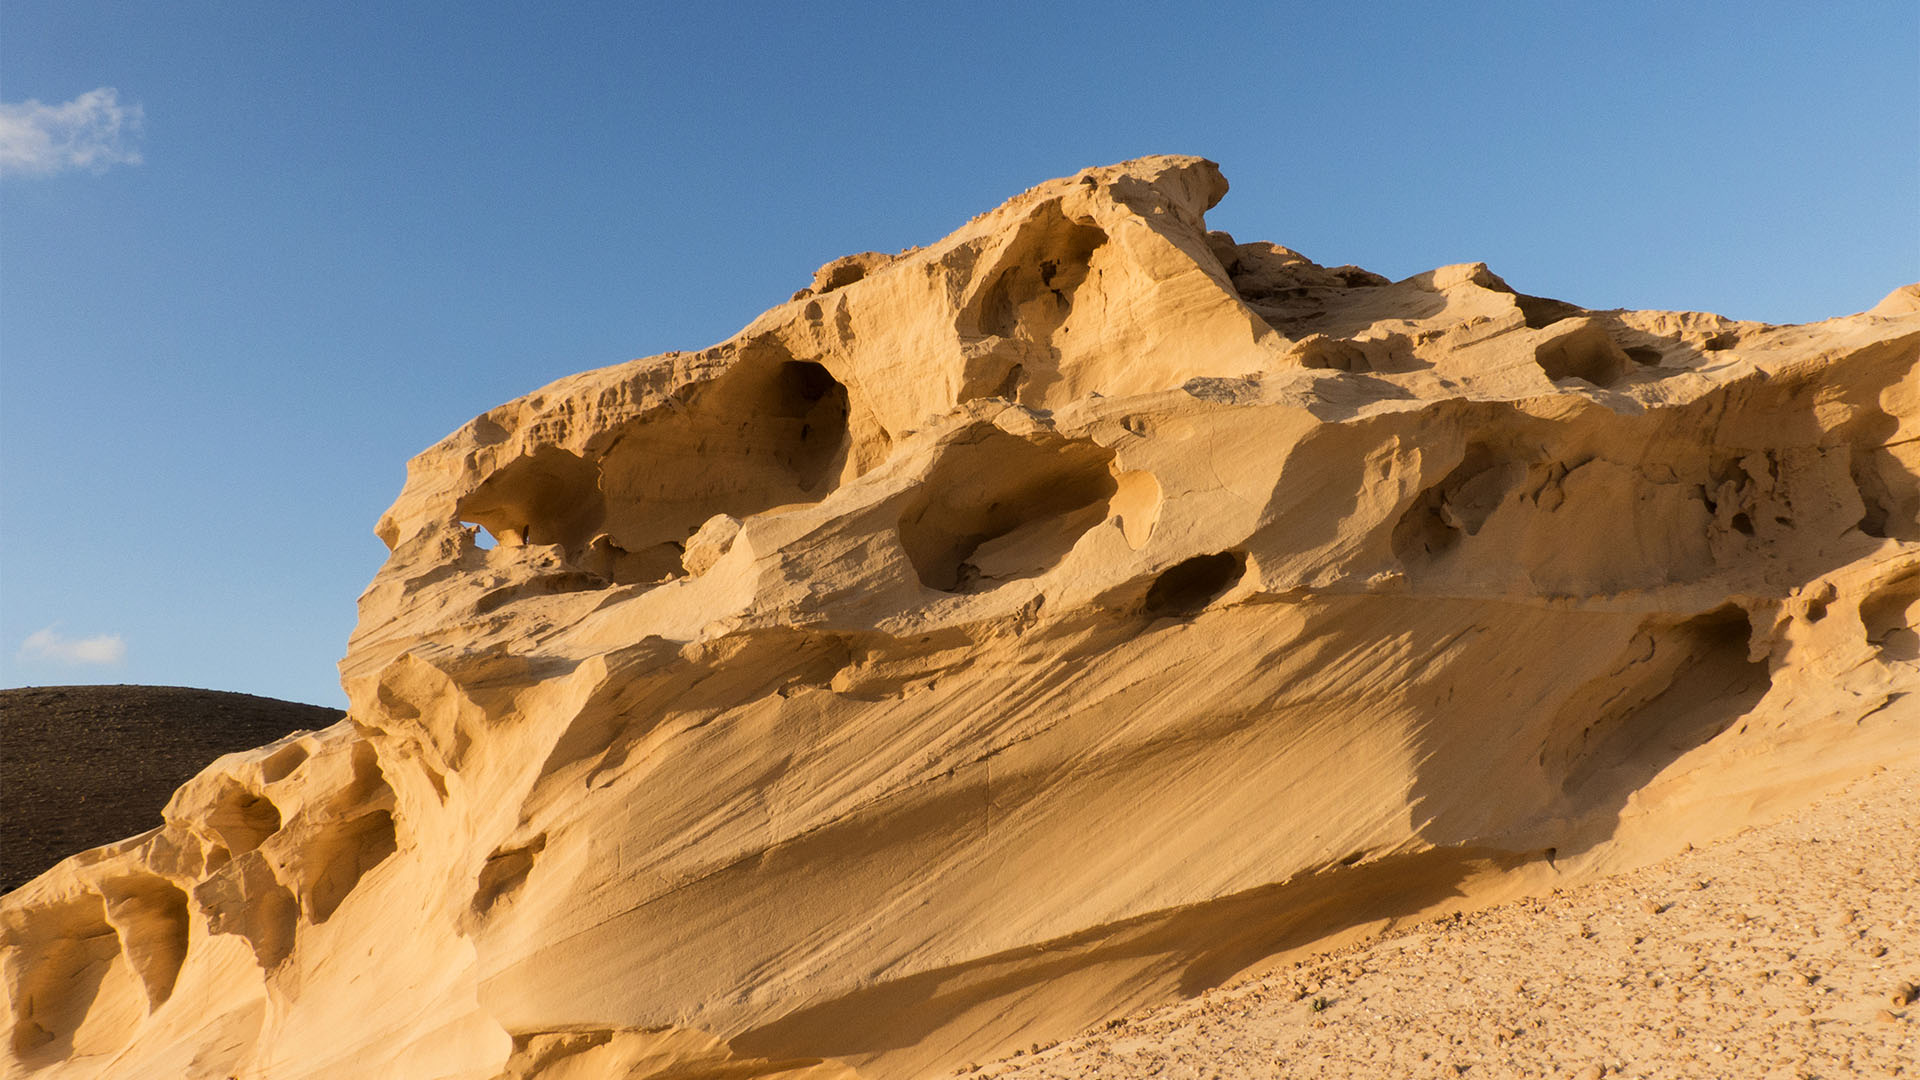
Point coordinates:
[(82, 766)]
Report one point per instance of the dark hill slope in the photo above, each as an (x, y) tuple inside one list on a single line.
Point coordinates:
[(82, 766)]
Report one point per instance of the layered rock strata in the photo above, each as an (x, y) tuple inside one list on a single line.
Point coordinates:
[(1008, 634)]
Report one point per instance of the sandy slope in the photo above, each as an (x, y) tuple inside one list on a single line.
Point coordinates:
[(1781, 952)]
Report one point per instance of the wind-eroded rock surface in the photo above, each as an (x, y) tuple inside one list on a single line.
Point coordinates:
[(1007, 635)]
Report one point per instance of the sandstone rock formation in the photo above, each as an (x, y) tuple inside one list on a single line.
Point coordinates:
[(1011, 633)]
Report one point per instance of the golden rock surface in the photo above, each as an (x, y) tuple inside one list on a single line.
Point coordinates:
[(1011, 634)]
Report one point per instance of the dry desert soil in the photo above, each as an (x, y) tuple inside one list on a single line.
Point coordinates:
[(82, 766), (1789, 950)]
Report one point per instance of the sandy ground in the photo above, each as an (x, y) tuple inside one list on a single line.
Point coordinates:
[(1785, 951)]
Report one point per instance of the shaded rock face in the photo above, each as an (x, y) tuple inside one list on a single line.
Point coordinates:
[(1008, 634)]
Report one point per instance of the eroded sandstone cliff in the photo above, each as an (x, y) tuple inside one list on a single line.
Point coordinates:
[(1007, 634)]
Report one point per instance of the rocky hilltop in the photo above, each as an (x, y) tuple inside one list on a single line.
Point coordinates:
[(1009, 634), (85, 765)]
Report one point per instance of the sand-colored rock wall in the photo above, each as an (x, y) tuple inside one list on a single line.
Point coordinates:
[(1008, 634)]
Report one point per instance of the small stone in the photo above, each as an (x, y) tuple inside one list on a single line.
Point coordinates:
[(1653, 907), (1876, 950), (1904, 994), (1591, 1072), (1885, 1017)]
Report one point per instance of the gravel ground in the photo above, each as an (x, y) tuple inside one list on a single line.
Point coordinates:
[(1786, 951), (82, 766)]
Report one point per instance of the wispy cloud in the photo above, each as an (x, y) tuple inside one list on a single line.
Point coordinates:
[(90, 132), (49, 645)]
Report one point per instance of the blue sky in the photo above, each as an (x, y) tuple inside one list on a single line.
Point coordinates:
[(325, 235)]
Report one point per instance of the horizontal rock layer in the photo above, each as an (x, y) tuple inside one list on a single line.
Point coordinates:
[(1008, 634)]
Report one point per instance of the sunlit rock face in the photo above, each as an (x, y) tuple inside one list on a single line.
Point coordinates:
[(1007, 634)]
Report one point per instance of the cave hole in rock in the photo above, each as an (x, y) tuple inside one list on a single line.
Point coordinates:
[(1015, 324), (504, 872), (551, 496), (339, 856), (1048, 261), (65, 955), (1001, 507), (1889, 492), (1457, 507), (771, 431), (247, 898), (483, 537), (1690, 682), (281, 763), (1873, 508), (1581, 350), (345, 838), (242, 818), (1890, 614), (150, 915), (1817, 603), (1188, 587)]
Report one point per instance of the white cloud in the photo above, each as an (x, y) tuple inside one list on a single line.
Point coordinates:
[(90, 132), (49, 645)]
